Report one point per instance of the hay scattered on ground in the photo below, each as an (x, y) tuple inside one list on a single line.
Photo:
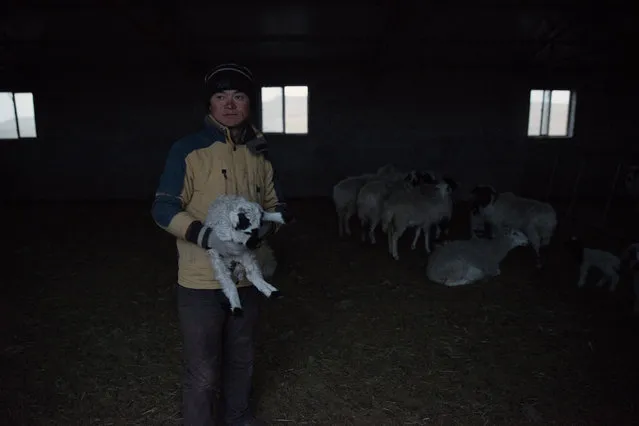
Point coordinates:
[(89, 332)]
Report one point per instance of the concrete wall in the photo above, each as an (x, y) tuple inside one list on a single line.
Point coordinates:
[(105, 135)]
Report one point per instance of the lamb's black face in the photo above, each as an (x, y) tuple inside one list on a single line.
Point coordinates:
[(243, 222)]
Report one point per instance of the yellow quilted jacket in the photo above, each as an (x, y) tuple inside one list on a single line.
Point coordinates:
[(198, 169)]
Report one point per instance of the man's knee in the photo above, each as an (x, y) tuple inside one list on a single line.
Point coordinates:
[(202, 376)]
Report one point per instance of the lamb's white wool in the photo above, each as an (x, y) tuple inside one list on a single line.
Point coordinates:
[(536, 219), (370, 199), (462, 262), (424, 207), (345, 196), (236, 221), (607, 263)]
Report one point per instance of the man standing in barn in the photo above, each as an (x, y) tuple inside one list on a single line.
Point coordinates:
[(227, 156)]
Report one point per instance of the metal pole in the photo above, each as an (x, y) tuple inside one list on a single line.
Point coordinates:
[(575, 187), (551, 181), (612, 193)]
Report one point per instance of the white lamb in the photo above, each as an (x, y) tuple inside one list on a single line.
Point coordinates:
[(236, 221), (607, 263), (345, 196), (536, 219), (462, 262), (424, 207), (370, 199)]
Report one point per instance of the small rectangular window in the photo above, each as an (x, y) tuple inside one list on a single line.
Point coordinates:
[(17, 115), (285, 109), (551, 113)]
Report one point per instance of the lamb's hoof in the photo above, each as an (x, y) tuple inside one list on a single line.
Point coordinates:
[(276, 295), (237, 312)]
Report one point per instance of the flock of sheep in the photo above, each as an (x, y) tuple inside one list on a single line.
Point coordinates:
[(398, 200)]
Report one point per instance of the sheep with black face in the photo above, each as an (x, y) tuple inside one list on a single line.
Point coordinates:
[(536, 219), (237, 221)]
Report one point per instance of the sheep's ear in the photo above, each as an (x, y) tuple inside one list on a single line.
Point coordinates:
[(243, 221)]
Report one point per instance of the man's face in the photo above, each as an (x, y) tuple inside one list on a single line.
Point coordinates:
[(230, 107)]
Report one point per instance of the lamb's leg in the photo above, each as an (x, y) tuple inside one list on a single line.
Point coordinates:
[(254, 274), (223, 276), (389, 234), (273, 217), (418, 233), (636, 286), (583, 272)]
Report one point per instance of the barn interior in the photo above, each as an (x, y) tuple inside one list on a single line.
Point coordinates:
[(95, 93)]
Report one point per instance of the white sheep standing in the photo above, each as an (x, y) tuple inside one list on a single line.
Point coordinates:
[(536, 219), (345, 196), (423, 207), (236, 221), (370, 199), (462, 262), (604, 261)]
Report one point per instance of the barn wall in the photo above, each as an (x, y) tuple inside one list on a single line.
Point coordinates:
[(604, 138), (106, 136)]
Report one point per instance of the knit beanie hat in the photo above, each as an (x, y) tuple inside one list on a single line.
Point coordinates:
[(229, 77)]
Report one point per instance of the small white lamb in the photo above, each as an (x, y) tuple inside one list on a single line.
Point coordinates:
[(462, 262), (538, 220), (607, 263), (236, 222)]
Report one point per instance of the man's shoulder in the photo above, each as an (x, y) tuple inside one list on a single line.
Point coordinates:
[(190, 143)]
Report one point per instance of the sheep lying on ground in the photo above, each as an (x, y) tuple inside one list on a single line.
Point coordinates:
[(462, 262), (536, 219), (607, 263), (423, 207), (236, 221), (345, 196), (370, 199)]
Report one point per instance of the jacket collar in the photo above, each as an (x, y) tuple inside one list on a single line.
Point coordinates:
[(248, 133)]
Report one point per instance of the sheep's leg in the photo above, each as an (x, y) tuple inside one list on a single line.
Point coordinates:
[(396, 236), (340, 223), (418, 233), (636, 286), (372, 226), (362, 222), (347, 219), (229, 288), (389, 234), (583, 272), (535, 242), (254, 274), (613, 277)]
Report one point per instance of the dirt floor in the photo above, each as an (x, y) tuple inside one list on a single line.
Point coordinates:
[(89, 333)]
